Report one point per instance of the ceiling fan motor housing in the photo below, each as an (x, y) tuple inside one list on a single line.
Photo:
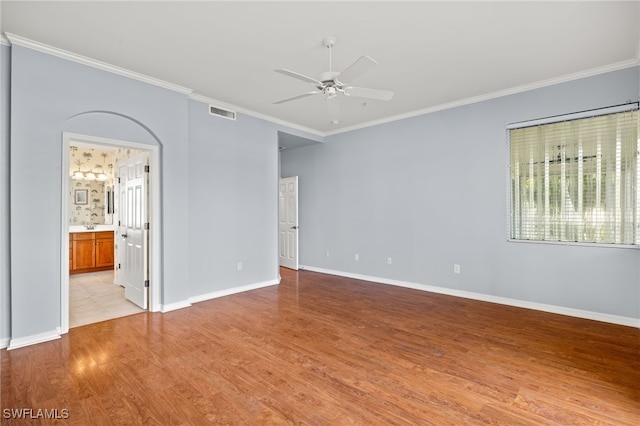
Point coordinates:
[(328, 76)]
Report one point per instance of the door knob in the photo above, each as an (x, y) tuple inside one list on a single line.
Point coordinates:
[(294, 227), (124, 235)]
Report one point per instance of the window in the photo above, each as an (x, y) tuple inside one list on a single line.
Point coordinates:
[(577, 178)]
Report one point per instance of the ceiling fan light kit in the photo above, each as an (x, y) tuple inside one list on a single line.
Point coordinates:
[(331, 83)]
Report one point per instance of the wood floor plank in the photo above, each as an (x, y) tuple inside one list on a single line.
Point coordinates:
[(325, 350)]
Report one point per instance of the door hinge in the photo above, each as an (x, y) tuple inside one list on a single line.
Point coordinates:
[(146, 226), (118, 179), (119, 223), (146, 169), (119, 266), (146, 283)]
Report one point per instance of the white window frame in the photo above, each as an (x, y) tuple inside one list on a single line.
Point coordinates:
[(556, 119)]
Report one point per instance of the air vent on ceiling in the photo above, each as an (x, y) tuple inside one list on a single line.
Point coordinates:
[(213, 110)]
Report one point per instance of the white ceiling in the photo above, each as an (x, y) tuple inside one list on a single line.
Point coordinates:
[(432, 54)]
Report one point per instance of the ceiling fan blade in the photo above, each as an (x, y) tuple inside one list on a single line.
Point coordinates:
[(355, 70), (363, 92), (334, 109), (299, 76), (293, 98)]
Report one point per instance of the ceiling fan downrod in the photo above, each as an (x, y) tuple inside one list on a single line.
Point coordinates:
[(329, 42)]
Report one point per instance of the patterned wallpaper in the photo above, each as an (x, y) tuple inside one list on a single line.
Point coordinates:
[(99, 161), (91, 212)]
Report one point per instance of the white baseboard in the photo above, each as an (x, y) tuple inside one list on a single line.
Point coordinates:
[(33, 339), (230, 291), (174, 306), (213, 295), (597, 316), (4, 343)]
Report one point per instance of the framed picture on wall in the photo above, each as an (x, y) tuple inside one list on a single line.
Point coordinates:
[(81, 196)]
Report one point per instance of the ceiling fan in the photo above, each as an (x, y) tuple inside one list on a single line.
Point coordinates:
[(331, 83)]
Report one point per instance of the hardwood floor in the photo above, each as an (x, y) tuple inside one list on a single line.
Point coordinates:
[(325, 350)]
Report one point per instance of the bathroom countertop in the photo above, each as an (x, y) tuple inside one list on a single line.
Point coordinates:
[(97, 228)]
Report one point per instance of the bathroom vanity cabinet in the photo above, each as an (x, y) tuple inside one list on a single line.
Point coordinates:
[(90, 251)]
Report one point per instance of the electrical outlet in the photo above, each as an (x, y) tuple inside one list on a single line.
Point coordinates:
[(239, 266), (357, 257), (456, 268), (388, 260)]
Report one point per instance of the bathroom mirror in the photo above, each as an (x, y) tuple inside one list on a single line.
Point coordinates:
[(108, 204)]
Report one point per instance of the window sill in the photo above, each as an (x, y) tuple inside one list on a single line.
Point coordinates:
[(572, 243)]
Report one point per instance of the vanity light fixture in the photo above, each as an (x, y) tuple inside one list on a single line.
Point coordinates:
[(90, 175)]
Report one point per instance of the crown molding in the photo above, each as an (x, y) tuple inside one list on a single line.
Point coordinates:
[(274, 120), (84, 60), (499, 94), (9, 39), (64, 54)]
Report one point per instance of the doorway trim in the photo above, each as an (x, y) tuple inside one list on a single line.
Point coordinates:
[(155, 275)]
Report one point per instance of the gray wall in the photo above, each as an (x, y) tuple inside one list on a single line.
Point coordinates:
[(218, 189), (5, 313), (233, 201), (431, 191)]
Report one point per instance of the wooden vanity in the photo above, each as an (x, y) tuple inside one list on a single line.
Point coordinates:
[(90, 251)]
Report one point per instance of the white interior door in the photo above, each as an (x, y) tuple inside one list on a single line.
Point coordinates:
[(288, 229), (132, 235)]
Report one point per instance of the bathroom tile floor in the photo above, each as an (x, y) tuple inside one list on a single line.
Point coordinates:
[(94, 297)]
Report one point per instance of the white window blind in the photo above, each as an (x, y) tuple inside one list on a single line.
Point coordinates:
[(577, 180)]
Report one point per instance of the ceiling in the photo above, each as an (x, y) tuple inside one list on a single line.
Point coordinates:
[(431, 54)]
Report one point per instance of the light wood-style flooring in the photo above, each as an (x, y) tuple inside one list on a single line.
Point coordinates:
[(325, 350)]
